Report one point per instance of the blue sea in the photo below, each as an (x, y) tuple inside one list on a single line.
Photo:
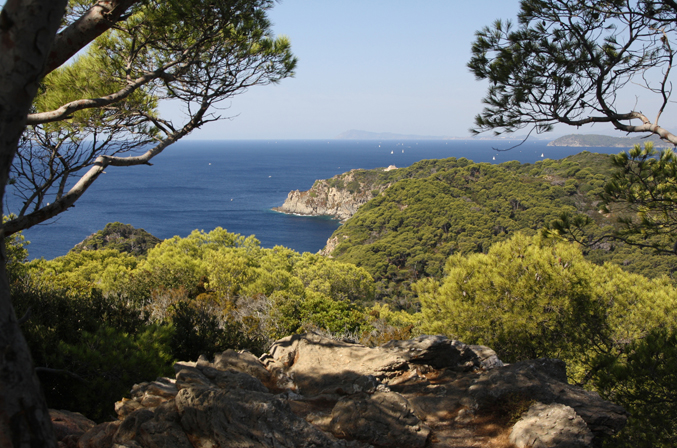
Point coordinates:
[(234, 185)]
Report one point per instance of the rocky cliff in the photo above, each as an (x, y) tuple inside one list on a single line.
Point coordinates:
[(312, 391), (338, 197)]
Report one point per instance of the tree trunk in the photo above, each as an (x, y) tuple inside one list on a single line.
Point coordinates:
[(27, 30)]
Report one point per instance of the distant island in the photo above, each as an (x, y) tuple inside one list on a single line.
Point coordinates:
[(595, 140)]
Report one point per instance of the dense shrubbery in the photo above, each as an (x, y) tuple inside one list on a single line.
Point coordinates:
[(529, 298), (98, 322), (644, 382), (89, 349)]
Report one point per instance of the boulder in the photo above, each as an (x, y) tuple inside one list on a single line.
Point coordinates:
[(544, 380), (383, 419), (238, 418), (320, 365), (69, 426), (551, 426), (440, 352)]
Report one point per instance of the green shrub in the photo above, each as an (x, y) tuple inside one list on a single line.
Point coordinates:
[(645, 383), (197, 331), (319, 312), (90, 375), (529, 298), (353, 186)]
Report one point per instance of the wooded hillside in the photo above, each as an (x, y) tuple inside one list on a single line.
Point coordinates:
[(455, 206)]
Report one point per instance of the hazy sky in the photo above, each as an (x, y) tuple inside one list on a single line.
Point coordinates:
[(380, 66), (374, 65)]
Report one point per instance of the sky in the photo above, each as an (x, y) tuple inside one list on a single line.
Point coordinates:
[(373, 65), (394, 66), (380, 66)]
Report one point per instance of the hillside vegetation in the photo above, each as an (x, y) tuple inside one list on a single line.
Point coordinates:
[(595, 140), (100, 321), (455, 206), (121, 237)]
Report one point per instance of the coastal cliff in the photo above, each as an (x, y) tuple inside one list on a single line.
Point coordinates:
[(338, 197)]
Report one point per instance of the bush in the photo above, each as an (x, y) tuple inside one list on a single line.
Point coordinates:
[(90, 375), (645, 383), (316, 311), (89, 350), (528, 298), (197, 331)]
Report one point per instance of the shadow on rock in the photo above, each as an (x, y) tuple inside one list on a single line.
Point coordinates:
[(313, 391)]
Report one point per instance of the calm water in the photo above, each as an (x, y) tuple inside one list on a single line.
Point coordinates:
[(234, 184)]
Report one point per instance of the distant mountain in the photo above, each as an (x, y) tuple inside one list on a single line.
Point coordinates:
[(595, 140), (354, 134)]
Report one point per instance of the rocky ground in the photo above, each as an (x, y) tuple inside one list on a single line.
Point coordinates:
[(313, 391)]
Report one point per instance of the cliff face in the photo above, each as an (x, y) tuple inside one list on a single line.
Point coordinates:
[(338, 197)]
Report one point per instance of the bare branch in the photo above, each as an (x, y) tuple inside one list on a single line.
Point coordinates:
[(67, 200)]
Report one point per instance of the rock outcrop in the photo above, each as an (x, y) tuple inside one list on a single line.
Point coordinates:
[(338, 197), (313, 391)]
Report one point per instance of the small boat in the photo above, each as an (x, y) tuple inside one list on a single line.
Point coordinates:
[(541, 154), (391, 152), (494, 157)]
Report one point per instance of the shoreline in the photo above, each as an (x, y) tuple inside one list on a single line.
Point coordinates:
[(306, 215)]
